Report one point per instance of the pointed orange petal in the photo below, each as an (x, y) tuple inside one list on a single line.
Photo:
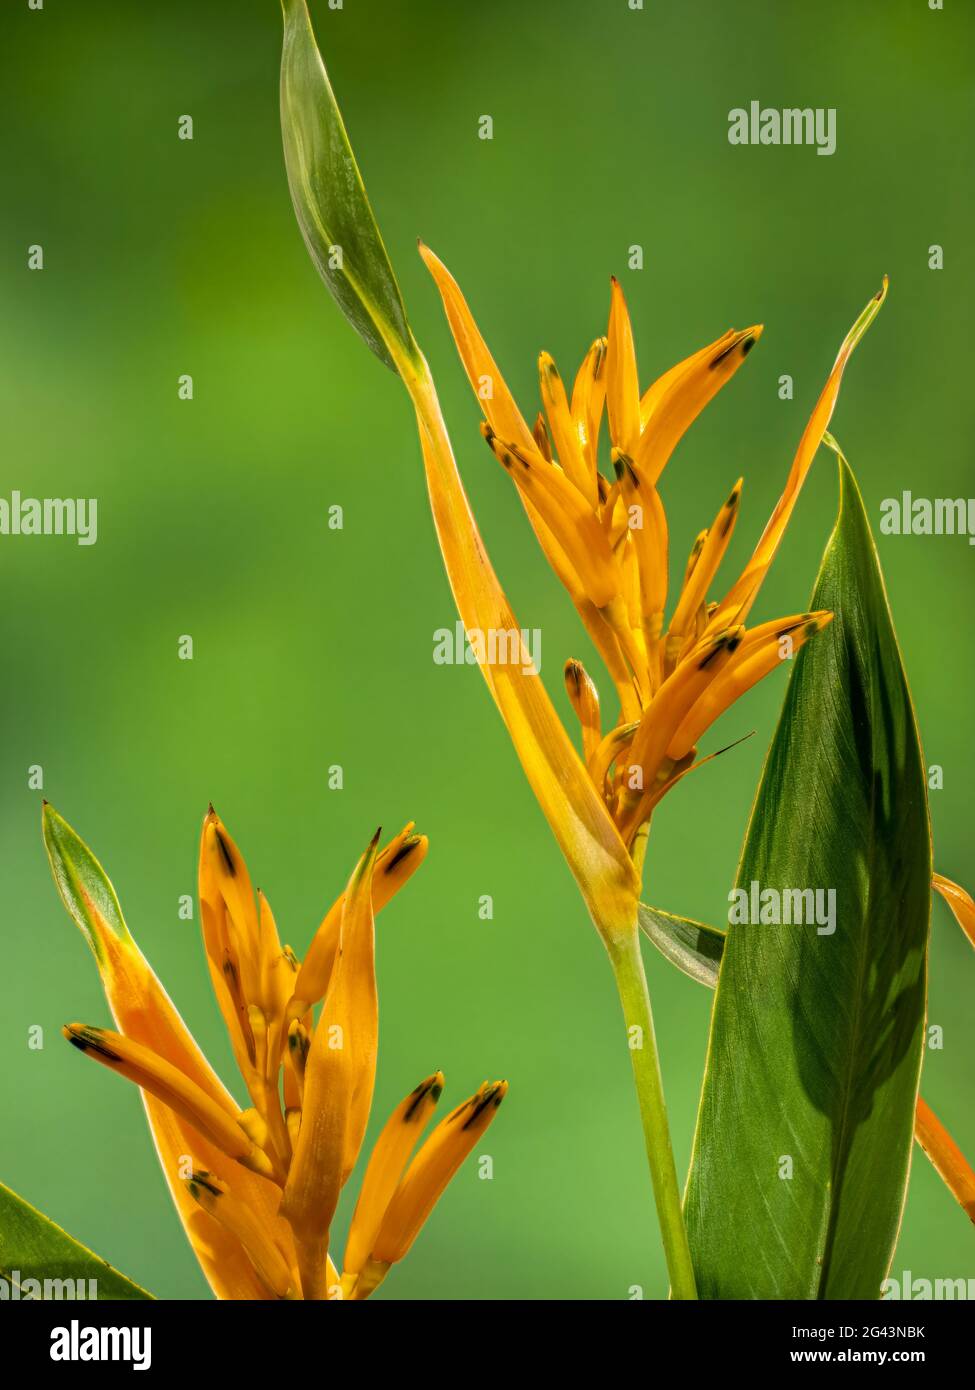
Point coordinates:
[(622, 383), (496, 402), (225, 1263), (709, 557), (270, 1265), (735, 607), (610, 750), (588, 401), (674, 401), (584, 699), (431, 1170), (756, 658), (279, 971), (395, 866), (386, 1163), (223, 878), (568, 446), (663, 716), (647, 526), (567, 515), (216, 1122), (660, 389), (489, 385)]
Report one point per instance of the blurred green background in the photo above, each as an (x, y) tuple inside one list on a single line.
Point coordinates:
[(314, 647)]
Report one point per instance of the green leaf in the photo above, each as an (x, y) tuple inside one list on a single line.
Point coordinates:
[(693, 947), (84, 886), (330, 200), (33, 1248), (816, 1040)]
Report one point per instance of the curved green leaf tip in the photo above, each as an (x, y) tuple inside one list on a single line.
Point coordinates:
[(329, 198), (38, 1260), (85, 888), (695, 948), (804, 1137)]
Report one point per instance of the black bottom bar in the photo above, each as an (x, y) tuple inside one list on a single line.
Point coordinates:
[(239, 1339)]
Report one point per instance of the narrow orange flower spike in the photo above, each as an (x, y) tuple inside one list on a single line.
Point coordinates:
[(960, 902), (256, 1188)]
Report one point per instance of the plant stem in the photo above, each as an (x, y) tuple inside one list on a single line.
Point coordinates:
[(631, 982)]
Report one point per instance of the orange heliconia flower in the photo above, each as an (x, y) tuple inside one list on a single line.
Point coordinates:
[(256, 1188)]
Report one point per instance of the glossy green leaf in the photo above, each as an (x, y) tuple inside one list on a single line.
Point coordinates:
[(803, 1144), (693, 947), (329, 199), (39, 1260), (696, 949)]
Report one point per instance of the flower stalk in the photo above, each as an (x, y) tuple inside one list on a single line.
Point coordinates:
[(631, 982)]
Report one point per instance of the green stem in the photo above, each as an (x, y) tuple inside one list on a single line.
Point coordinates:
[(631, 982)]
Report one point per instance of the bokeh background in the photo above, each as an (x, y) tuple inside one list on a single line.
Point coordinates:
[(314, 647)]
